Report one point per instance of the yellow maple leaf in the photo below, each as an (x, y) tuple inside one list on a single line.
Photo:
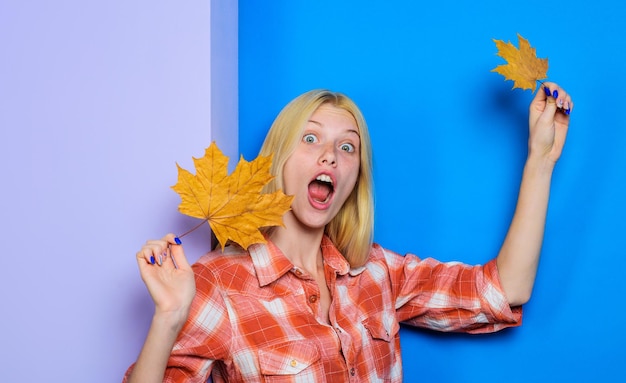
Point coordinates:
[(523, 66), (232, 204)]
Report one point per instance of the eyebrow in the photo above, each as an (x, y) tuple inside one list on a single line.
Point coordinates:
[(321, 126)]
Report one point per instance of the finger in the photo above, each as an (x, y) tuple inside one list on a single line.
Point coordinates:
[(565, 103), (562, 99), (550, 94), (178, 254), (152, 251), (569, 107), (545, 92), (147, 254)]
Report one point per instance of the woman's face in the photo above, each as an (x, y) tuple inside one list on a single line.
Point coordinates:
[(323, 170)]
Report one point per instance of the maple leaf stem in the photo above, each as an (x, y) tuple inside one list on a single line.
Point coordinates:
[(193, 228)]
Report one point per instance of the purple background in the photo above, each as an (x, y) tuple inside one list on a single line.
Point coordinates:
[(98, 102)]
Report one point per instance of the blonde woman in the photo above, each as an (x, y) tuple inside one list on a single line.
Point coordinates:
[(319, 301)]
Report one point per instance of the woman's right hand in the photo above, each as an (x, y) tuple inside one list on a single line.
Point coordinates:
[(170, 281), (168, 277)]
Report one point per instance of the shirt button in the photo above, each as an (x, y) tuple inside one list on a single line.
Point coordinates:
[(313, 298), (293, 363), (352, 371)]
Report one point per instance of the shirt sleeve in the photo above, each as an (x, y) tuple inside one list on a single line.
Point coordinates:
[(449, 296), (204, 338)]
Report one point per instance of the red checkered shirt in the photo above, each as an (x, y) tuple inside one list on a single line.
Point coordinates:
[(253, 316)]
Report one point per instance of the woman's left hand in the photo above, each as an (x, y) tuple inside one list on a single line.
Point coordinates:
[(548, 121)]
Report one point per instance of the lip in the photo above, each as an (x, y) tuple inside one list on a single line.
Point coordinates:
[(326, 204)]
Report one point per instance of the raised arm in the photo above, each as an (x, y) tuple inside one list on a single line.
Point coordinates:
[(170, 281), (519, 256)]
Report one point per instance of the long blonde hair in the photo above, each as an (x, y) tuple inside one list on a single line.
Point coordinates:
[(352, 228)]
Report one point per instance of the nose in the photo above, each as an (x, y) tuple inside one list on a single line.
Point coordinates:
[(328, 156)]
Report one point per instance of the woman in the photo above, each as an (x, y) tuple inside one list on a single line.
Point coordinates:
[(319, 301)]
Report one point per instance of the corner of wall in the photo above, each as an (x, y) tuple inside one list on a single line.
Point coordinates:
[(224, 77)]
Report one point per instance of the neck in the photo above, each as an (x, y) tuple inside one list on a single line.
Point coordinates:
[(299, 243)]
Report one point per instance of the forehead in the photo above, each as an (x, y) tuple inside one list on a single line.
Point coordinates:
[(328, 114)]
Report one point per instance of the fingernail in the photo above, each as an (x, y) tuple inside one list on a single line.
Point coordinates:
[(160, 259), (152, 260), (547, 90), (567, 111), (559, 103), (178, 241), (555, 94)]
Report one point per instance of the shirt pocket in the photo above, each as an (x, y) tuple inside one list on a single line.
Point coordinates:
[(288, 359), (382, 344)]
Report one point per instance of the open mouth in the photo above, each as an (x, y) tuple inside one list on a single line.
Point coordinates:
[(321, 188)]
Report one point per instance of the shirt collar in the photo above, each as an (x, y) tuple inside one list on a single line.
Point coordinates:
[(270, 263), (333, 258)]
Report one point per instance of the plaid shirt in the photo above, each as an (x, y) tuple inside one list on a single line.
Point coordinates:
[(253, 317)]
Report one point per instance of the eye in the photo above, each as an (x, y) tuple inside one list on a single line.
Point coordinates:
[(309, 138), (347, 148)]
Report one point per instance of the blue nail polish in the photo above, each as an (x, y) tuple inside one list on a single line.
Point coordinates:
[(178, 241), (567, 111), (152, 260), (547, 90), (555, 94)]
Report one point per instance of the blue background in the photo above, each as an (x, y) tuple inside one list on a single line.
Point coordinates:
[(449, 146)]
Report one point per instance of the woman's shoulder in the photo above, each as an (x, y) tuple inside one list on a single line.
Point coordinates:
[(380, 253), (391, 258), (225, 268), (378, 257), (230, 255)]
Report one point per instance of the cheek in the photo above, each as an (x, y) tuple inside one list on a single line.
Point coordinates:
[(287, 182), (352, 177), (290, 177)]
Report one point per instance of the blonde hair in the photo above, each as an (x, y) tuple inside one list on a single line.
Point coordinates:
[(351, 230)]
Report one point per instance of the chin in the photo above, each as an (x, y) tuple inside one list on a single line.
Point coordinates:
[(314, 224)]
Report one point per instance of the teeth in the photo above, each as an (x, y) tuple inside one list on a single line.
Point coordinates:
[(324, 178)]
